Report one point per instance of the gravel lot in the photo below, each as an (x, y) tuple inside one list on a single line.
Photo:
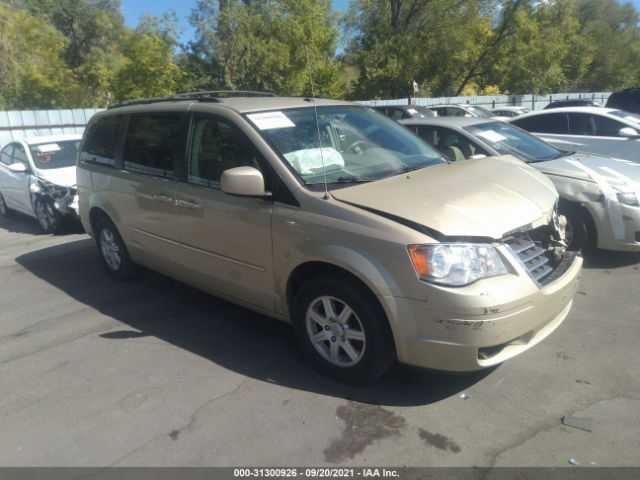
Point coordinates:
[(94, 372)]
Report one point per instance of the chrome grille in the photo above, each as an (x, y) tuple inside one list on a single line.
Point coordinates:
[(531, 255)]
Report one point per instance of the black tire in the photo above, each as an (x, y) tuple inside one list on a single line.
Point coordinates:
[(376, 352), (576, 230), (4, 210), (109, 243), (49, 219)]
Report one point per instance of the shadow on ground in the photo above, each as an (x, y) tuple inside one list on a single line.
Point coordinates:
[(605, 259), (231, 336), (19, 223)]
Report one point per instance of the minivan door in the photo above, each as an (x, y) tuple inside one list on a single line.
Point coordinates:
[(143, 192), (227, 239)]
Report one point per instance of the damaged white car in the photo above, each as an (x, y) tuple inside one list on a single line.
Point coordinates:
[(38, 178)]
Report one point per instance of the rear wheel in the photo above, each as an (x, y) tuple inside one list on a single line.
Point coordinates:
[(575, 232), (4, 210), (49, 219), (113, 251), (342, 330)]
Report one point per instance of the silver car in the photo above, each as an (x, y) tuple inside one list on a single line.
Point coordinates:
[(599, 196), (38, 178), (603, 131)]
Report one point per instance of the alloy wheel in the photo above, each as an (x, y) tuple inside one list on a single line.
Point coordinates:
[(335, 331), (110, 249)]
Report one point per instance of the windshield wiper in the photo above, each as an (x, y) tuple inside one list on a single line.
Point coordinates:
[(349, 179)]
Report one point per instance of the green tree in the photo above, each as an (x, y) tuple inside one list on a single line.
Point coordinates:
[(147, 67), (86, 24), (545, 52), (263, 45), (32, 71), (612, 32)]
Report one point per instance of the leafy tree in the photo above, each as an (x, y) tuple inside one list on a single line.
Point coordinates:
[(545, 52), (32, 72), (263, 45), (148, 67), (612, 32), (86, 24)]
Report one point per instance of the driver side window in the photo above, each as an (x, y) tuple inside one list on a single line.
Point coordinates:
[(217, 145), (20, 156)]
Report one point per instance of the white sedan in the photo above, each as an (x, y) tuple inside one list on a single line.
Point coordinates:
[(604, 131), (38, 178)]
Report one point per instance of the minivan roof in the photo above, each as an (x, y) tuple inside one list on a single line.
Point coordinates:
[(239, 104)]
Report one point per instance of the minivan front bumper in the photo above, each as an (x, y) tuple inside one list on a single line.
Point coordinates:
[(482, 324)]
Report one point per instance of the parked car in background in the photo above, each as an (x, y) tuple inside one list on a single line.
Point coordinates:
[(510, 111), (599, 196), (627, 100), (463, 110), (329, 216), (398, 112), (604, 131), (573, 102), (38, 178)]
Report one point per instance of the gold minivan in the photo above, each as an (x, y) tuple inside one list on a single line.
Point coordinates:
[(329, 216)]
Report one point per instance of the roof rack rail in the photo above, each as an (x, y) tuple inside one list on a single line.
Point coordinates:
[(223, 94), (204, 96)]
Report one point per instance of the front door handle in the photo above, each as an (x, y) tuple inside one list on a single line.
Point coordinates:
[(188, 204), (161, 197)]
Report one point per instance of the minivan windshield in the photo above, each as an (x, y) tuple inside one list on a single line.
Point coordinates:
[(55, 154), (358, 145), (509, 140)]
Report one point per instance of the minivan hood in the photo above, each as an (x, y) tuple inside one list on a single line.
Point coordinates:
[(600, 164), (65, 177), (480, 198)]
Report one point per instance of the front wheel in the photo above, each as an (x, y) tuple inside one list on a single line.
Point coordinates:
[(113, 251), (49, 219), (342, 330), (575, 232)]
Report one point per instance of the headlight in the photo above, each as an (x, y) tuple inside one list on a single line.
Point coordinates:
[(629, 198), (455, 264)]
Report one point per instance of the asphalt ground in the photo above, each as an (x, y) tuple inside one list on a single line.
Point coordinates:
[(94, 372)]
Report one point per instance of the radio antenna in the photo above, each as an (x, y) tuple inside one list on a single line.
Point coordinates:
[(315, 111)]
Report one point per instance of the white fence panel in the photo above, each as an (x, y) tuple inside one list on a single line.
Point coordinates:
[(15, 125), (534, 102)]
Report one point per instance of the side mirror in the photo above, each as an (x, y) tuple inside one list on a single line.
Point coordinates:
[(243, 181), (18, 167), (477, 156), (623, 132)]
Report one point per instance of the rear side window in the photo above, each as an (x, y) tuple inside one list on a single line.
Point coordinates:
[(552, 123), (101, 141), (151, 144)]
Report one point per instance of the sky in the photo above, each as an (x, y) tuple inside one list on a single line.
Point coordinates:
[(133, 9)]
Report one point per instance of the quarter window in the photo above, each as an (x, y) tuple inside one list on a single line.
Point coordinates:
[(5, 156), (216, 146), (151, 144), (102, 140)]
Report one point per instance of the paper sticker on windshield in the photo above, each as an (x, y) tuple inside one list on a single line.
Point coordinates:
[(49, 147), (492, 136), (270, 120), (413, 111)]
